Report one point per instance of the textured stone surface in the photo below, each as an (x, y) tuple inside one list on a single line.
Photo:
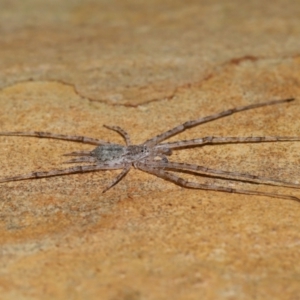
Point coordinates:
[(72, 67)]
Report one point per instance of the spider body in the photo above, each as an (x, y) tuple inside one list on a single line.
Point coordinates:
[(151, 156), (118, 154), (105, 153)]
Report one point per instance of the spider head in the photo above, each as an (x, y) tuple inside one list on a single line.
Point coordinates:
[(137, 150)]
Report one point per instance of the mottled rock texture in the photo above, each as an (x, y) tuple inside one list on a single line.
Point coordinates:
[(72, 66)]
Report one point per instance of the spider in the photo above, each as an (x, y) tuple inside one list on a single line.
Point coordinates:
[(151, 156)]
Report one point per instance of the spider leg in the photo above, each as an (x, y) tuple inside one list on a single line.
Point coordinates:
[(81, 159), (72, 170), (118, 178), (221, 174), (182, 127), (49, 135), (122, 132), (78, 153), (189, 184), (227, 140)]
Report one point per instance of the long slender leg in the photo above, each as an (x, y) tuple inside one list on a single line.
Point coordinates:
[(79, 153), (118, 178), (121, 131), (81, 159), (49, 135), (182, 182), (226, 140), (157, 139), (79, 169), (219, 173)]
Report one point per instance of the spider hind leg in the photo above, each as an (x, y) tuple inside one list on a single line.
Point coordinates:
[(86, 159), (79, 153)]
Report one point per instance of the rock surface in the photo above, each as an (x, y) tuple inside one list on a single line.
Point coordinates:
[(72, 67)]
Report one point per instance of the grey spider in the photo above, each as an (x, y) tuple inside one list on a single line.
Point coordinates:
[(151, 156)]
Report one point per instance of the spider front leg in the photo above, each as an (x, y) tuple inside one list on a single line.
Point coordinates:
[(211, 140), (189, 124), (175, 166), (189, 184)]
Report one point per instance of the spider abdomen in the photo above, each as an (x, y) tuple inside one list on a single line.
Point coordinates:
[(109, 152)]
